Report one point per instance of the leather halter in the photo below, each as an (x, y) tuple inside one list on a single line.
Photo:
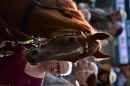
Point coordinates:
[(29, 10)]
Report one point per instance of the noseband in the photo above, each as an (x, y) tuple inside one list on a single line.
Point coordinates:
[(30, 9)]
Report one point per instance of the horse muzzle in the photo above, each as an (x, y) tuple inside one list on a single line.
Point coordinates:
[(31, 56)]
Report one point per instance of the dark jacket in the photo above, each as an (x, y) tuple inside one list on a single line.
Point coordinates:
[(101, 3), (51, 80), (100, 20)]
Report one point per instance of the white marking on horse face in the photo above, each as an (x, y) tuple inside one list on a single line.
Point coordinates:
[(78, 50)]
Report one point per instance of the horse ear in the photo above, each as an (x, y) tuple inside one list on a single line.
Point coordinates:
[(100, 36), (100, 55)]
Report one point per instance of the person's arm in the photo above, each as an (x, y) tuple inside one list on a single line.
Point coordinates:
[(97, 16)]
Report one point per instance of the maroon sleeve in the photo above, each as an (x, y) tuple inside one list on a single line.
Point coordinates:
[(36, 82)]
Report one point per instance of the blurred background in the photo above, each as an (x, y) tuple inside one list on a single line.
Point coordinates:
[(118, 47)]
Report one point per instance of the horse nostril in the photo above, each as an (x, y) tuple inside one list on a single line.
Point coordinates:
[(34, 52)]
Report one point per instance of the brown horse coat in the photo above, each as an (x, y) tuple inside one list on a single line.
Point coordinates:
[(43, 21)]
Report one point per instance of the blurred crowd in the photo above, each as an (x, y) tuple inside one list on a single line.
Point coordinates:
[(103, 21), (90, 73)]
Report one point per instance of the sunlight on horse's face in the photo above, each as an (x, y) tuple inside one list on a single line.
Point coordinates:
[(68, 47)]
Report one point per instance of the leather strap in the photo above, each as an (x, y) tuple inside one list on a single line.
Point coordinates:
[(26, 16)]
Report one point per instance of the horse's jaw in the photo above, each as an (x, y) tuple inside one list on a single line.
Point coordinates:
[(35, 56), (56, 50)]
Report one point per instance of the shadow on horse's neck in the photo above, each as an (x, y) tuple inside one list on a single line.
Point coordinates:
[(11, 13), (41, 19)]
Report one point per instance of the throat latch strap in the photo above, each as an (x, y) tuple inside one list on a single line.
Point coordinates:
[(26, 16)]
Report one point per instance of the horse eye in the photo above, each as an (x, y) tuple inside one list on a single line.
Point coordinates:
[(71, 39)]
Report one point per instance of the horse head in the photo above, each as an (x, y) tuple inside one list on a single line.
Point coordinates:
[(68, 46), (45, 17)]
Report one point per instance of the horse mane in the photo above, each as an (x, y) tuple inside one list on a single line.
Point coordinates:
[(71, 10)]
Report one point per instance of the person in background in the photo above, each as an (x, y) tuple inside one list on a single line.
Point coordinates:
[(84, 78), (115, 30), (82, 65), (106, 75), (86, 65), (55, 67), (93, 67), (123, 75), (103, 21)]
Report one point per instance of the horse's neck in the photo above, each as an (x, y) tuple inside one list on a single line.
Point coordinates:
[(11, 12)]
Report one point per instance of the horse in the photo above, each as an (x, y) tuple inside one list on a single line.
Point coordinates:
[(58, 19)]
